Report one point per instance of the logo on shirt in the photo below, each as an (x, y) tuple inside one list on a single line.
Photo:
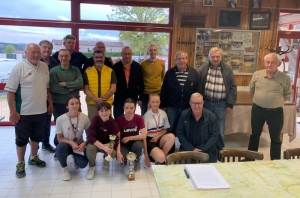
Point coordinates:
[(130, 129)]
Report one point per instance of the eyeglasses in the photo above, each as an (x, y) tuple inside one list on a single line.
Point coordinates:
[(196, 103)]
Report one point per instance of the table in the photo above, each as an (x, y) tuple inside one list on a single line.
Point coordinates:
[(239, 120), (278, 178)]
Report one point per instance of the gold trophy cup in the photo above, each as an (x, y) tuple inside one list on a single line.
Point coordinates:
[(131, 157), (111, 145)]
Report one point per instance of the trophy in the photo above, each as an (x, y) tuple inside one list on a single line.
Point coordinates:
[(131, 157), (110, 145)]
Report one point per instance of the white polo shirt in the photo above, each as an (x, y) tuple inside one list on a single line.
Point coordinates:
[(30, 84), (155, 123)]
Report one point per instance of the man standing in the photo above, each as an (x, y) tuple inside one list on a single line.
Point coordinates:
[(180, 82), (198, 129), (218, 87), (90, 61), (270, 88), (65, 80), (27, 93), (99, 84), (77, 58), (46, 51), (153, 72), (130, 81)]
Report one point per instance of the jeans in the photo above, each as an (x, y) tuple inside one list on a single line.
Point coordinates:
[(47, 129), (173, 114), (62, 152), (274, 119), (118, 108), (133, 146), (59, 109), (219, 109)]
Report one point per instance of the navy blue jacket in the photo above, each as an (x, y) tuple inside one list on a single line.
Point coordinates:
[(135, 87), (209, 133), (172, 95)]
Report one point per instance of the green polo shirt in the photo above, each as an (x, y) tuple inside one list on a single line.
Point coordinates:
[(270, 92)]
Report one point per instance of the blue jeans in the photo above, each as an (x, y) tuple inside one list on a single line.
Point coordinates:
[(219, 109), (59, 109), (62, 152), (173, 114), (118, 108), (47, 129)]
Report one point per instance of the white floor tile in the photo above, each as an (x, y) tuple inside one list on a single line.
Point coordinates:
[(41, 190), (121, 193), (103, 194), (19, 192), (141, 193)]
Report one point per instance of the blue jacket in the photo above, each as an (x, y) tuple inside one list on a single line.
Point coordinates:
[(172, 95), (209, 133)]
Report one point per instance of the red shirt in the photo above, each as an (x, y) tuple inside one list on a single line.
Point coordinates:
[(132, 127)]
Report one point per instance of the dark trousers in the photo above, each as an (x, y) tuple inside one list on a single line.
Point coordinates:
[(62, 152), (132, 146), (274, 119), (118, 108), (59, 109), (144, 106), (47, 129)]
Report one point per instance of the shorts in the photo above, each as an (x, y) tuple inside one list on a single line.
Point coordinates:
[(151, 145), (30, 126)]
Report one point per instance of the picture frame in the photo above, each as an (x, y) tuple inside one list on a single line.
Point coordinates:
[(208, 2), (255, 4), (231, 4), (260, 20), (230, 18)]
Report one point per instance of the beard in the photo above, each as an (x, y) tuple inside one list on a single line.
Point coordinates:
[(98, 63)]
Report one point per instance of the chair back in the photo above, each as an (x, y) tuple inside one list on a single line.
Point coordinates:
[(292, 153), (186, 157), (235, 155)]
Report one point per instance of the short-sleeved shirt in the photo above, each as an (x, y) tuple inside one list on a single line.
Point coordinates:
[(30, 84), (132, 127), (270, 92), (155, 123), (63, 127)]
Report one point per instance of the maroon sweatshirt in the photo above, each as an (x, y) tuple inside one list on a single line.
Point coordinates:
[(100, 131)]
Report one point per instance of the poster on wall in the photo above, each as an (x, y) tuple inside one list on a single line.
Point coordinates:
[(239, 48)]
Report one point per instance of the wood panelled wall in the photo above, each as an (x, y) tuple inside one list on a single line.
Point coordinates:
[(184, 38)]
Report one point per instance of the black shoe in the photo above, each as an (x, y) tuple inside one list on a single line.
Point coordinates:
[(48, 147)]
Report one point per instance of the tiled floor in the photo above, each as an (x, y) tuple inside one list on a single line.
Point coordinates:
[(46, 182)]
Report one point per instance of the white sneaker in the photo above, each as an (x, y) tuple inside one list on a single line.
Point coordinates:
[(91, 173), (105, 165), (65, 175)]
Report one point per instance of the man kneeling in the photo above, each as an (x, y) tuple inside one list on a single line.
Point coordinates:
[(198, 129)]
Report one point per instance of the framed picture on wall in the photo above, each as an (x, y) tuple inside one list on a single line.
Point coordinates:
[(208, 2), (231, 3), (260, 20), (230, 18), (255, 4)]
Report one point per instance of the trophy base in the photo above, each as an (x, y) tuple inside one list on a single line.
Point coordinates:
[(131, 178)]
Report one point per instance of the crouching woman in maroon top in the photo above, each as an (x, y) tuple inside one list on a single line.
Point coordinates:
[(98, 137), (133, 132)]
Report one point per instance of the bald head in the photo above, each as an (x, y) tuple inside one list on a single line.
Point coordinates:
[(33, 53)]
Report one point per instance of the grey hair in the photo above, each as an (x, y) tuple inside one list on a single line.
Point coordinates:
[(181, 52), (45, 41), (215, 49), (273, 54), (196, 95), (69, 36)]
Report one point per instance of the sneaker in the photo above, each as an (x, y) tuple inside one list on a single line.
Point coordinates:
[(137, 165), (105, 164), (48, 147), (20, 172), (36, 161), (91, 173), (55, 157), (65, 175)]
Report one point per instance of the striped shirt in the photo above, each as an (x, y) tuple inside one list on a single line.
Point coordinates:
[(215, 87), (181, 76), (155, 123)]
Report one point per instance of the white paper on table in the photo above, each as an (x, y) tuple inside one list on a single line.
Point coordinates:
[(206, 177)]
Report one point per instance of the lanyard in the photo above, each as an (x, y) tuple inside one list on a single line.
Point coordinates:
[(71, 125), (157, 123)]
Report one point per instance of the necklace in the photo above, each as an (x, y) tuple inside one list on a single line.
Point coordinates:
[(156, 123), (74, 129)]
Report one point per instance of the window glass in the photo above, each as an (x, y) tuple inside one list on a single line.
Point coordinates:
[(33, 9), (135, 14)]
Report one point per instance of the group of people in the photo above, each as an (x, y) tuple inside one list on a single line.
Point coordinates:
[(179, 103)]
